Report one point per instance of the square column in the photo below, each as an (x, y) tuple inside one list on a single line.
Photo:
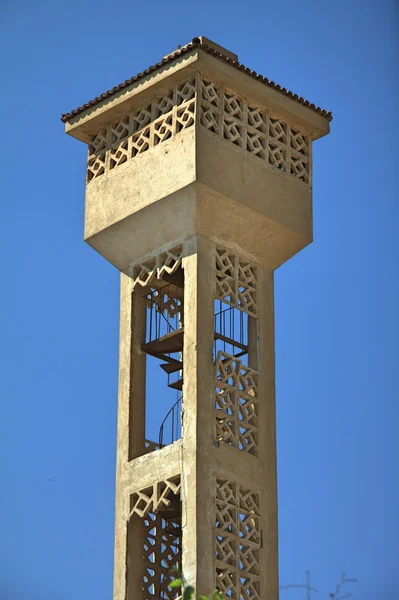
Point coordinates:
[(267, 436), (229, 488), (129, 534), (198, 489)]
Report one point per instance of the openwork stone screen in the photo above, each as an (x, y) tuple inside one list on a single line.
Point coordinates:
[(160, 516), (236, 281), (238, 540), (223, 112), (255, 129), (168, 304), (166, 262), (236, 403), (162, 554), (155, 497), (139, 130)]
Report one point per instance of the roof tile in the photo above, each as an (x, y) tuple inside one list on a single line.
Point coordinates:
[(196, 43)]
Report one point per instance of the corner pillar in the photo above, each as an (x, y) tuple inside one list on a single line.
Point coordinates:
[(198, 487), (129, 535)]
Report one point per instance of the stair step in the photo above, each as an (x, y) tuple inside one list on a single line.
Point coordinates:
[(223, 338), (176, 385), (172, 342), (165, 357), (172, 366)]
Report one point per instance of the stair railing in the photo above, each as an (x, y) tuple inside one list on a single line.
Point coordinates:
[(163, 310), (174, 416)]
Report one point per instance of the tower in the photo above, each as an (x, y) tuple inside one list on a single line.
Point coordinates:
[(198, 187)]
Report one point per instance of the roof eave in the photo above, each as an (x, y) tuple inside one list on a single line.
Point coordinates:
[(256, 91), (85, 121)]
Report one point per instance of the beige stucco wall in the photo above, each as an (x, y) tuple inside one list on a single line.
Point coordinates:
[(197, 183), (146, 179), (235, 173)]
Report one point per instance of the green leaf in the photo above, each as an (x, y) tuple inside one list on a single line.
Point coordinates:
[(188, 593), (175, 583)]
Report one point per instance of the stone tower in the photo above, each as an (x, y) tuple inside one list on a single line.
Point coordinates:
[(199, 185)]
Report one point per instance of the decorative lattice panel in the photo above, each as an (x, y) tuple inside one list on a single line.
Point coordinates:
[(236, 281), (254, 129), (236, 403), (162, 556), (166, 303), (154, 498), (156, 267), (144, 128), (210, 106), (250, 127), (97, 158), (159, 509), (238, 541)]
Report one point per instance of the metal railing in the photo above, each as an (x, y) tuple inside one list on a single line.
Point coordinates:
[(231, 329), (164, 312), (171, 424)]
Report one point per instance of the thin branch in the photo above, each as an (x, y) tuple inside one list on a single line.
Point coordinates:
[(309, 589), (344, 580)]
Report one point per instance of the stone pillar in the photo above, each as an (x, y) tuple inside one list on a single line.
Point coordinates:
[(245, 475), (131, 439), (212, 470), (198, 491), (267, 435)]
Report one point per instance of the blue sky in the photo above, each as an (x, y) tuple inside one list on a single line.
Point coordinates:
[(336, 302)]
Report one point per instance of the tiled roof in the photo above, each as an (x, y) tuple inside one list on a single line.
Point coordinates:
[(196, 43)]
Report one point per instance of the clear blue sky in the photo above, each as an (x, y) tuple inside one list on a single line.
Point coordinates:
[(336, 302)]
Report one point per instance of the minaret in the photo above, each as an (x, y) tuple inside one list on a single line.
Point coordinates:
[(199, 186)]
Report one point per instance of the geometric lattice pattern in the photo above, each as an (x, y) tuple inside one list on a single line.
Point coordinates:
[(164, 263), (248, 126), (255, 129), (238, 541), (166, 302), (159, 509), (156, 497), (142, 129), (236, 402), (236, 281), (162, 555)]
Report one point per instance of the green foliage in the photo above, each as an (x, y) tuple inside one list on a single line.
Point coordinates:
[(189, 591)]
